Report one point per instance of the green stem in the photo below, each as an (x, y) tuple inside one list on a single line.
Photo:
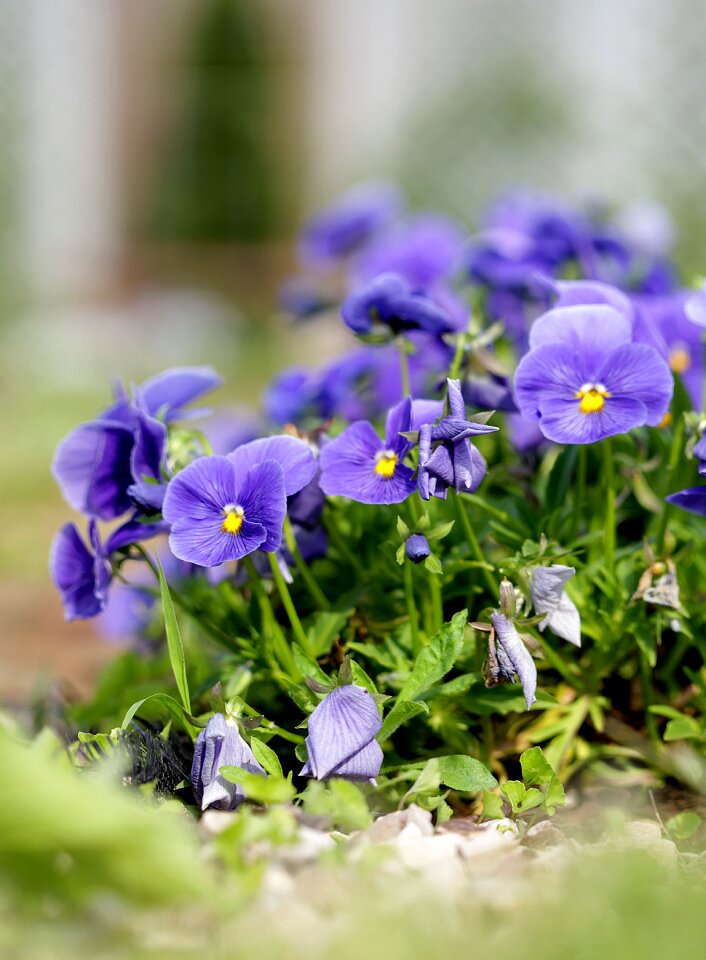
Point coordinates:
[(437, 605), (474, 545), (286, 598), (609, 535), (455, 368), (580, 492), (269, 621), (411, 607), (674, 457), (646, 684), (404, 369), (307, 576)]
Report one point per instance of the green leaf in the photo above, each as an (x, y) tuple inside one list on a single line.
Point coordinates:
[(175, 709), (326, 626), (429, 779), (433, 564), (441, 530), (339, 801), (683, 728), (465, 774), (533, 798), (436, 659), (554, 797), (174, 644), (307, 666), (399, 556), (361, 678), (257, 788), (535, 768), (683, 825), (401, 712), (402, 528), (515, 791), (266, 757), (443, 813), (492, 806)]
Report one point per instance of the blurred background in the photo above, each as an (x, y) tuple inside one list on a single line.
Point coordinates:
[(157, 157)]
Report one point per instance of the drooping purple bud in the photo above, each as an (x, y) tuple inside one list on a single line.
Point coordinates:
[(512, 657), (549, 597), (417, 548), (341, 740), (81, 575), (220, 745)]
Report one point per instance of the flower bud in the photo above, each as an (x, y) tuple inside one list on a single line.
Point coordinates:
[(220, 745), (341, 740), (417, 548)]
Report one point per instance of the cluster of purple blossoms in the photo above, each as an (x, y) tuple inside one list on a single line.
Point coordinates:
[(113, 465)]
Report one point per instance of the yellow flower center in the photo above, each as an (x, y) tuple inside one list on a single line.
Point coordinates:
[(680, 360), (592, 397), (234, 517), (386, 463)]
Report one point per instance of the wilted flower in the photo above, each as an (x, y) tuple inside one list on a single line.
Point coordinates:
[(223, 508), (550, 597), (416, 548), (106, 466), (508, 656), (388, 302), (220, 745), (349, 222), (454, 461), (359, 465), (341, 739), (585, 379)]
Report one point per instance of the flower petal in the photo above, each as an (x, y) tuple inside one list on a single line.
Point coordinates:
[(363, 765), (639, 372), (348, 468), (92, 468), (73, 569), (517, 653), (201, 490), (345, 721), (293, 455), (549, 596), (563, 422), (205, 543), (171, 390), (548, 370), (262, 497), (692, 500), (593, 327)]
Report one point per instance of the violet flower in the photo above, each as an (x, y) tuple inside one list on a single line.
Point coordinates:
[(585, 379), (693, 500), (550, 597), (360, 466), (223, 508), (341, 736), (349, 222), (696, 307), (388, 302), (508, 656), (220, 744), (416, 548), (423, 249), (454, 461)]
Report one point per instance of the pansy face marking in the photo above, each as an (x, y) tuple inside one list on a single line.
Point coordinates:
[(234, 516), (386, 461), (592, 397)]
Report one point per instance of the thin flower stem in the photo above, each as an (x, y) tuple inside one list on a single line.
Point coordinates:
[(437, 605), (269, 621), (474, 545), (458, 356), (609, 536), (404, 370), (580, 490), (286, 598), (674, 456), (315, 591), (646, 684), (411, 607)]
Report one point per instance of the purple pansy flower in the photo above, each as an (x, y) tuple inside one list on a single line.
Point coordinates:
[(223, 508), (360, 466), (416, 548), (349, 222), (693, 500), (220, 744), (388, 301), (422, 249), (549, 597), (684, 347), (105, 466), (585, 379), (507, 656), (341, 736), (446, 455)]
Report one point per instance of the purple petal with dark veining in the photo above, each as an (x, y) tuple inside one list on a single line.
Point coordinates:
[(509, 640), (345, 722)]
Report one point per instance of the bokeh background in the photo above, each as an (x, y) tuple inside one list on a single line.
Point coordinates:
[(157, 156)]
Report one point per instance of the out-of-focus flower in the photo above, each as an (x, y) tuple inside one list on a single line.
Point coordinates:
[(508, 656), (220, 744), (550, 597), (683, 339), (359, 465), (585, 379), (422, 249), (700, 454), (341, 736), (446, 455), (344, 226), (388, 303), (416, 547), (695, 307), (693, 500)]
